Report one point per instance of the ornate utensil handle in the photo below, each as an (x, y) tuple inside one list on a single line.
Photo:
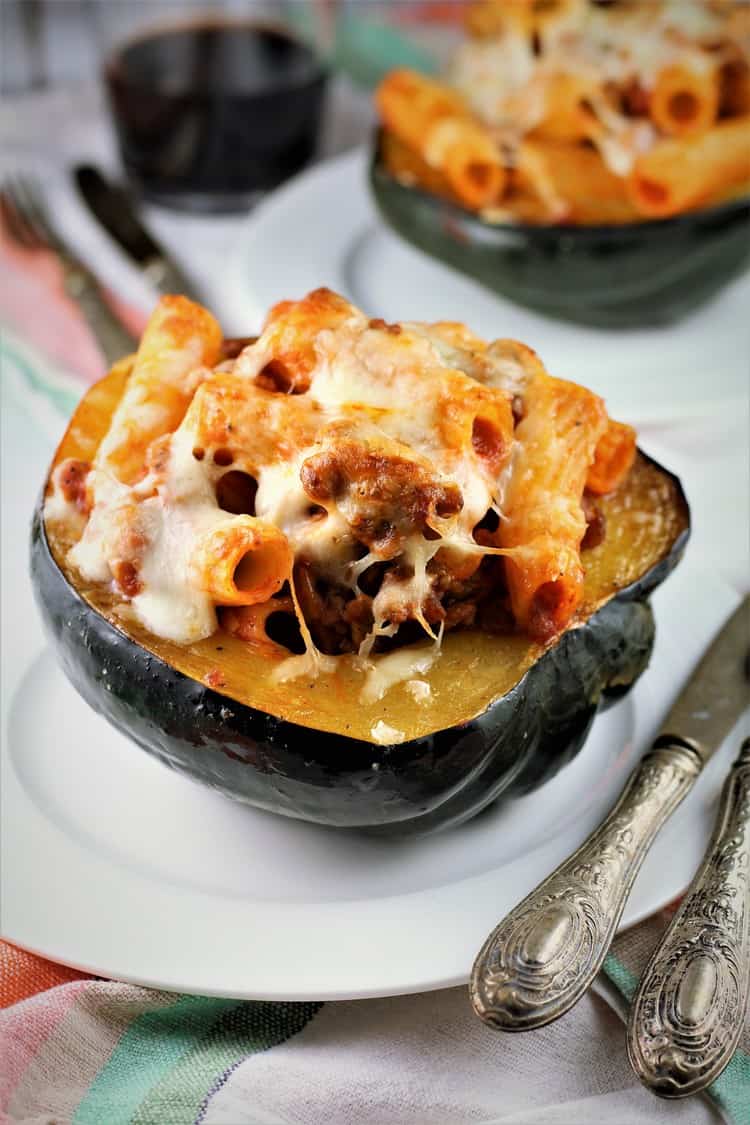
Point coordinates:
[(544, 955), (689, 1009)]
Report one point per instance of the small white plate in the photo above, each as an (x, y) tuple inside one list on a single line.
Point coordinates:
[(322, 229)]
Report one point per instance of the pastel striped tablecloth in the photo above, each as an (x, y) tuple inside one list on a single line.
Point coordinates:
[(90, 1051), (94, 1052)]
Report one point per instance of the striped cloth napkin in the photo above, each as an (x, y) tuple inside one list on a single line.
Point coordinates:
[(96, 1052)]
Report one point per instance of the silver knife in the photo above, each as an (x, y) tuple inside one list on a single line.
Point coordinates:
[(689, 1010), (113, 207), (543, 956)]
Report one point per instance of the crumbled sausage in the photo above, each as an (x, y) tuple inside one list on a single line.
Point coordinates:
[(383, 326), (125, 574), (214, 678), (71, 480), (321, 477), (392, 496)]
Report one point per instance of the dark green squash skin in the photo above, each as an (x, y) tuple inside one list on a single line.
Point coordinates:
[(428, 783), (631, 275)]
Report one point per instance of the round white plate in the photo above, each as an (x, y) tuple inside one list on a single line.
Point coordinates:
[(117, 865), (322, 229), (114, 864)]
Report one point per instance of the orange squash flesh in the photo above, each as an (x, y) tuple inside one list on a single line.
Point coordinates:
[(645, 519)]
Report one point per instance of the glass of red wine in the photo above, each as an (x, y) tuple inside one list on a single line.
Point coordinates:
[(210, 111)]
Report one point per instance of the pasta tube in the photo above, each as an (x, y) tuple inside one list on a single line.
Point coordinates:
[(678, 174), (585, 189), (288, 340), (408, 167), (568, 108), (685, 102), (535, 178), (180, 338), (434, 121), (543, 521), (513, 366), (242, 561), (235, 422), (614, 456), (481, 420)]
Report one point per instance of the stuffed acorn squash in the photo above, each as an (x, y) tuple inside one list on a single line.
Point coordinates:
[(500, 714)]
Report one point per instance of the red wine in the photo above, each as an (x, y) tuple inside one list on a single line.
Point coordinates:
[(207, 115)]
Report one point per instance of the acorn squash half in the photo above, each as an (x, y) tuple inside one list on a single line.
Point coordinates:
[(503, 716)]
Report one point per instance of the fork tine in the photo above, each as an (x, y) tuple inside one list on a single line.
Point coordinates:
[(18, 210), (17, 226), (25, 209), (27, 193)]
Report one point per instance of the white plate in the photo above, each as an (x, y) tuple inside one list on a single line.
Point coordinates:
[(117, 865), (114, 864), (322, 229)]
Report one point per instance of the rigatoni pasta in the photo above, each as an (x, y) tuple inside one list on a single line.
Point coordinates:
[(434, 121), (543, 522), (613, 457), (595, 114), (573, 181), (677, 174), (569, 113), (179, 341), (684, 101), (242, 561), (370, 485)]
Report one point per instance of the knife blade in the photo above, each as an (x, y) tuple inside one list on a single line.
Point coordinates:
[(113, 207), (538, 962), (707, 709)]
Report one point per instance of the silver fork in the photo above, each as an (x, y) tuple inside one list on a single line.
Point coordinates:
[(28, 224)]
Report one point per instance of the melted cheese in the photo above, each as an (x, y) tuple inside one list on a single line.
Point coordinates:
[(387, 391), (58, 509), (100, 542), (505, 84), (385, 671), (419, 690), (490, 72), (386, 735), (309, 663)]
